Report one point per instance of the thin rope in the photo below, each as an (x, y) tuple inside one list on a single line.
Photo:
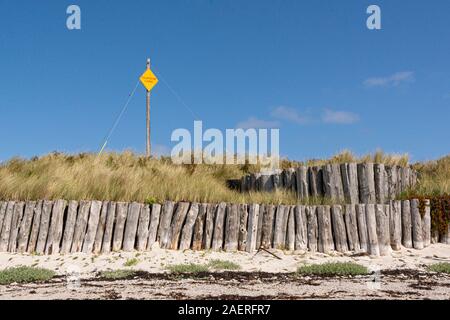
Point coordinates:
[(130, 96), (176, 94)]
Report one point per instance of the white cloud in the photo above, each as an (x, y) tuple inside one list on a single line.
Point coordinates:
[(289, 114), (339, 117), (390, 81), (256, 123)]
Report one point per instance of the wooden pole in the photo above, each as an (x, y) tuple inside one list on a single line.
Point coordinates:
[(148, 117)]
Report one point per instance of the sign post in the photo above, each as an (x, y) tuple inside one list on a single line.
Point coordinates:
[(149, 80)]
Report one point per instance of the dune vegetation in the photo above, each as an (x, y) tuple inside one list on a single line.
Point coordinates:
[(129, 177)]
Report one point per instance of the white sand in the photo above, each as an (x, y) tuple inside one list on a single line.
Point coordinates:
[(157, 260)]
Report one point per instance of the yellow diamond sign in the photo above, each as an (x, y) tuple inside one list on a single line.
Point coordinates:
[(148, 79)]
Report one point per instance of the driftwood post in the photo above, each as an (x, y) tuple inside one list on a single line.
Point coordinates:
[(209, 226), (406, 224), (351, 225), (253, 222), (121, 217), (301, 176), (132, 220), (199, 227), (301, 228), (416, 222), (164, 225), (25, 226), (315, 181), (3, 205), (349, 175), (372, 237), (108, 235), (312, 227), (188, 228), (177, 223), (100, 227), (261, 213), (43, 228), (17, 218), (35, 227), (325, 229), (380, 182), (80, 226), (217, 241), (391, 176), (339, 231), (6, 229), (243, 221), (290, 232), (231, 228), (56, 227), (362, 227), (426, 225), (395, 225), (154, 224), (279, 236), (94, 218), (366, 183), (267, 227), (143, 228), (382, 222), (69, 229)]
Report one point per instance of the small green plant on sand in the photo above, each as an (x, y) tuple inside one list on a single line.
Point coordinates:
[(223, 265), (187, 268), (442, 267), (24, 274), (117, 274), (333, 269), (131, 262)]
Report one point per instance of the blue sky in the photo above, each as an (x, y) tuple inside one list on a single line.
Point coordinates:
[(311, 68)]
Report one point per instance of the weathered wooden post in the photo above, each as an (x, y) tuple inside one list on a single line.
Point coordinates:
[(164, 226), (80, 225), (100, 228), (217, 241), (326, 243), (177, 223), (91, 229), (253, 219), (262, 212), (280, 227), (243, 220), (312, 226), (188, 228), (426, 224), (372, 236), (154, 224), (6, 229), (119, 227), (395, 224), (316, 182), (199, 227), (301, 228), (366, 183), (109, 227), (209, 226), (380, 183), (406, 224), (338, 227), (349, 175), (301, 175), (351, 225), (416, 222), (290, 232), (362, 227), (25, 226), (35, 227), (15, 224), (143, 228), (382, 226), (268, 227)]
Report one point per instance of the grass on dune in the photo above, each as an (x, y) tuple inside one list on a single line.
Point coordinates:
[(333, 269), (24, 274), (130, 177)]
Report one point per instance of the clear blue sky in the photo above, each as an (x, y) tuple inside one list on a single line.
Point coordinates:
[(311, 68)]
